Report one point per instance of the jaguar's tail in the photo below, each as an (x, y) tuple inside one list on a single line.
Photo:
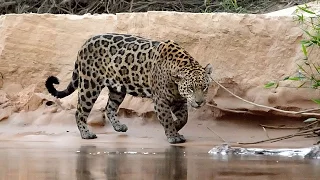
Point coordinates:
[(73, 85)]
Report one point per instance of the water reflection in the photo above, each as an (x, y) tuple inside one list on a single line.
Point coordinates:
[(116, 164), (94, 162), (83, 163), (173, 165), (121, 164)]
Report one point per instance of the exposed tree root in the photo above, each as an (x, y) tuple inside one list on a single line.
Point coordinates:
[(309, 130)]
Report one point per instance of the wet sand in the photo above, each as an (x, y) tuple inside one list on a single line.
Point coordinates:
[(143, 133)]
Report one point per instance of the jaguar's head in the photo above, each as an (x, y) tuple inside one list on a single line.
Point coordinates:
[(193, 84), (191, 78)]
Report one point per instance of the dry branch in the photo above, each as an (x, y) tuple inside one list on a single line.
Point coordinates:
[(6, 4), (301, 133), (80, 7), (285, 127), (304, 113), (310, 129)]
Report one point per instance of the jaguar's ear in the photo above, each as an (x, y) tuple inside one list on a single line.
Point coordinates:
[(208, 69)]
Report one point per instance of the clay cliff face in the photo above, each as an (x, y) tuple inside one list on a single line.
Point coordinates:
[(246, 51)]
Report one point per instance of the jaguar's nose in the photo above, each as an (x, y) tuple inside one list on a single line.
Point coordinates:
[(199, 102)]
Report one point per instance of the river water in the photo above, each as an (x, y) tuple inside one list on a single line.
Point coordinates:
[(172, 162)]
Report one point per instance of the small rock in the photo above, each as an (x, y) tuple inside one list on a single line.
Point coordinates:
[(5, 113), (27, 99), (51, 110), (49, 103), (96, 119)]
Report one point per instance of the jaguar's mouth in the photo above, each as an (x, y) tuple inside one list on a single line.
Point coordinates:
[(196, 105)]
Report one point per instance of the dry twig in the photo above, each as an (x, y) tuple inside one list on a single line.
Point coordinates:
[(217, 134), (283, 127), (303, 113), (305, 132), (264, 129)]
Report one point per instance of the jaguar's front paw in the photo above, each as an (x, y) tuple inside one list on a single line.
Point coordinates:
[(176, 139), (120, 128), (88, 135)]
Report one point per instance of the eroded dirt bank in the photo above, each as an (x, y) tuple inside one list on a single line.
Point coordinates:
[(246, 51)]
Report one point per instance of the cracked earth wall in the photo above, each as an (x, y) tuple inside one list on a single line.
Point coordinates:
[(246, 52)]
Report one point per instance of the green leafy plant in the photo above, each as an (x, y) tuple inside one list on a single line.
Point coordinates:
[(308, 72)]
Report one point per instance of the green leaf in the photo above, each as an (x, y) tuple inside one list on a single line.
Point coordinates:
[(309, 34), (307, 43), (310, 43), (302, 69), (316, 101), (310, 120), (306, 10), (300, 17), (304, 50), (316, 84), (269, 84), (294, 78)]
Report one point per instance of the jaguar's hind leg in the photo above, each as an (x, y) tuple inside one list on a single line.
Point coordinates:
[(114, 101), (87, 96)]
